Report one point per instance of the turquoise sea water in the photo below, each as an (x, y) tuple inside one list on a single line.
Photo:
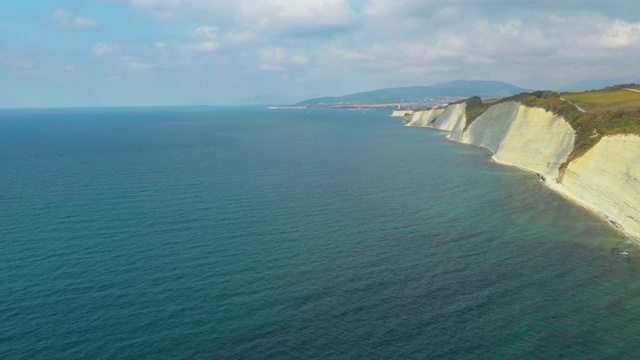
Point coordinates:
[(248, 233)]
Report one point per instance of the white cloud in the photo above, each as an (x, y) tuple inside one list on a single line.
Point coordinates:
[(138, 65), (204, 47), (270, 67), (300, 60), (347, 53), (206, 31), (203, 39), (279, 59), (297, 14), (619, 34), (310, 15), (82, 23), (241, 37), (66, 19), (187, 9), (347, 43), (272, 55), (102, 48)]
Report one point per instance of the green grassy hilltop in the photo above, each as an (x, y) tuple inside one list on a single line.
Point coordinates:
[(592, 114), (620, 97), (597, 113)]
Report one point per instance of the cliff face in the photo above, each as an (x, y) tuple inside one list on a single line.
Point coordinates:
[(606, 179), (529, 138), (451, 115), (424, 117)]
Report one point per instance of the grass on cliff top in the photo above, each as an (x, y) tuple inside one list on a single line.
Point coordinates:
[(609, 99), (609, 111), (613, 117), (475, 108), (547, 100)]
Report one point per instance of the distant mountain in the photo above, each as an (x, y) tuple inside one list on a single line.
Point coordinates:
[(599, 83), (459, 88)]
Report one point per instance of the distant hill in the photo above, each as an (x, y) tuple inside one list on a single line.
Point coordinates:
[(458, 88)]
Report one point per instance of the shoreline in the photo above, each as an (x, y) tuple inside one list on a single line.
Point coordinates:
[(594, 209), (555, 187)]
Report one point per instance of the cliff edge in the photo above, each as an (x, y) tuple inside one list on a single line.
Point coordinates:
[(603, 175), (423, 118), (606, 180)]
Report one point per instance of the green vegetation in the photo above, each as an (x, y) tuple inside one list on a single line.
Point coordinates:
[(609, 99), (590, 127), (475, 108), (608, 112), (548, 100)]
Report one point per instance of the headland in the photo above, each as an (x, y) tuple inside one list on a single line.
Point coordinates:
[(584, 145)]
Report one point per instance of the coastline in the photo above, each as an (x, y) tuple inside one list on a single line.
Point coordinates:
[(565, 193), (602, 181)]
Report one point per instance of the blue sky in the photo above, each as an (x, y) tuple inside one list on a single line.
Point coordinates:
[(184, 52)]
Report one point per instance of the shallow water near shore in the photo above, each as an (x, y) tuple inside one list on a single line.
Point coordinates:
[(248, 233)]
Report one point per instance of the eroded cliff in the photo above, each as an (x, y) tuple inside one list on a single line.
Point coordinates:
[(423, 118), (529, 138), (605, 179), (449, 117)]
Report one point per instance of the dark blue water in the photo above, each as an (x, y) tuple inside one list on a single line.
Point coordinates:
[(247, 233)]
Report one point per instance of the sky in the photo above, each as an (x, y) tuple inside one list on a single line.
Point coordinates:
[(60, 53)]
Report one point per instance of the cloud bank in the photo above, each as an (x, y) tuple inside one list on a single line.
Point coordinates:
[(331, 47)]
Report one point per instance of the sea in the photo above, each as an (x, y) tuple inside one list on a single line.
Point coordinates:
[(256, 233)]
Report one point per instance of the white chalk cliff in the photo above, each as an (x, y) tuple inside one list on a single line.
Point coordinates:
[(530, 138), (606, 179), (402, 113), (423, 118), (449, 117)]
